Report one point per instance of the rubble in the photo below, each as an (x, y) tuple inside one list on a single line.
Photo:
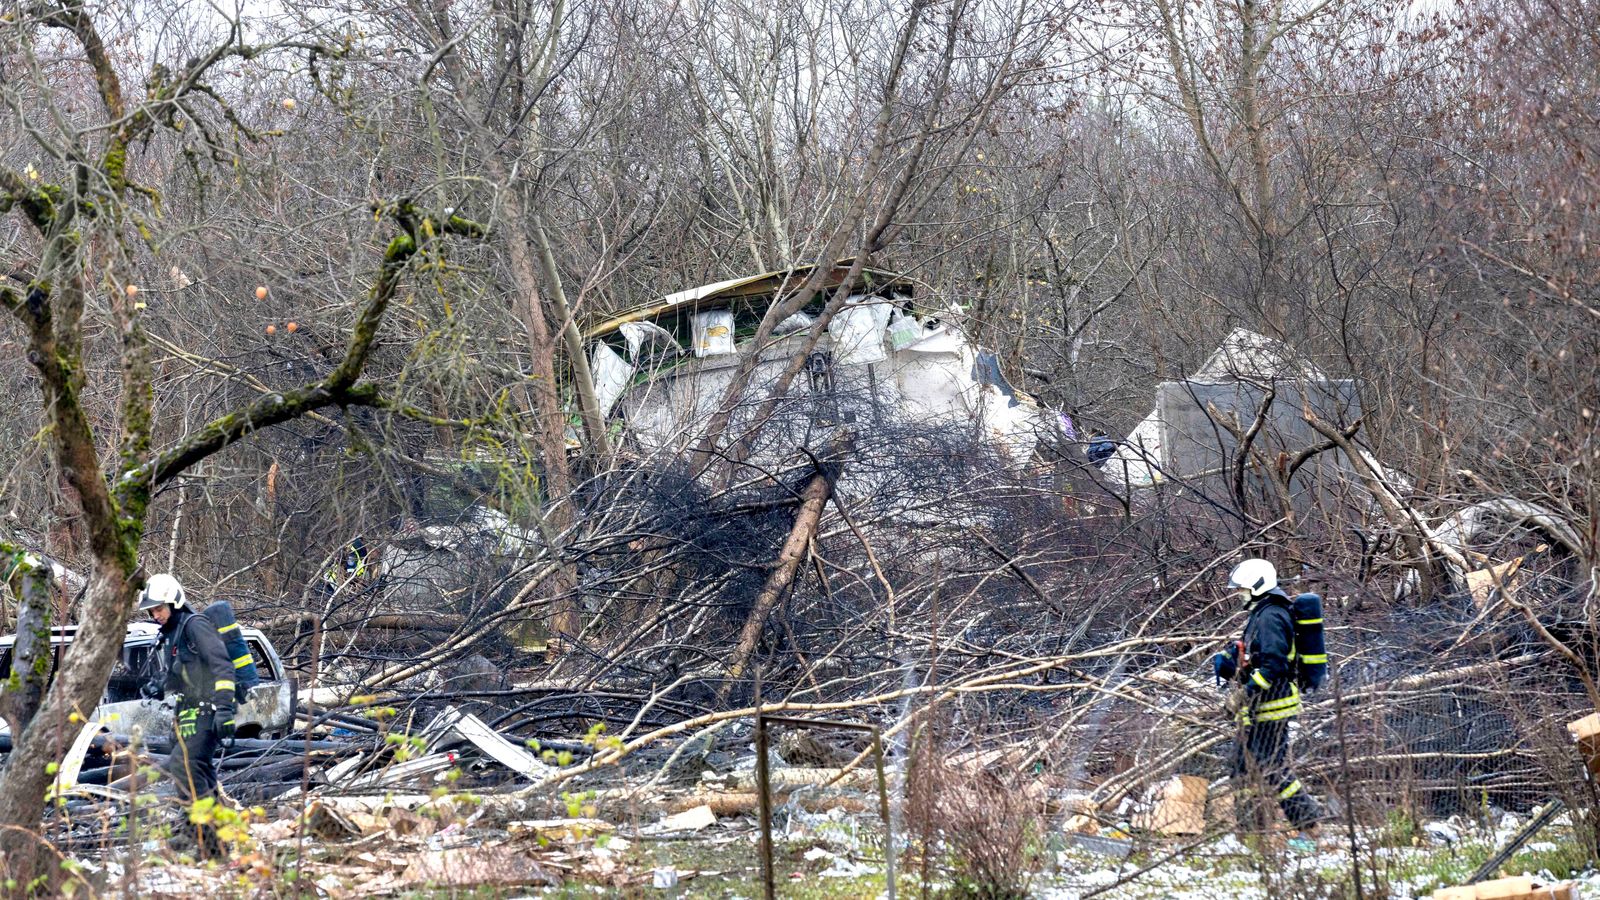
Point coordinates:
[(1179, 807), (1521, 887)]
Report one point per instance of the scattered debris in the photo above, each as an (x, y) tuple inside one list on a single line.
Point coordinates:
[(1536, 824), (559, 829), (330, 824), (1521, 887), (689, 820), (1100, 845), (475, 866), (1442, 833), (1179, 807), (490, 742)]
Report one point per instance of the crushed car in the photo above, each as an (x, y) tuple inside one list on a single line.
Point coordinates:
[(268, 711)]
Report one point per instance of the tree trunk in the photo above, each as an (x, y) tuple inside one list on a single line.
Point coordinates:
[(21, 694), (812, 500), (594, 422), (85, 667)]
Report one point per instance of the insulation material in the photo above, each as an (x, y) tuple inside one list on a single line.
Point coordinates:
[(857, 332), (904, 330), (1484, 582), (794, 323), (1134, 463), (713, 332), (611, 375), (651, 337), (1009, 423)]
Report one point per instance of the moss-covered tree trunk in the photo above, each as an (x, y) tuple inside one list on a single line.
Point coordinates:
[(114, 494), (23, 690), (77, 688)]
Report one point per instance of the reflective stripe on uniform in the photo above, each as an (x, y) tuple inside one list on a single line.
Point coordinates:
[(1315, 658), (227, 628), (1308, 621), (1292, 699), (242, 661), (1260, 680), (1290, 791), (1273, 710), (224, 684)]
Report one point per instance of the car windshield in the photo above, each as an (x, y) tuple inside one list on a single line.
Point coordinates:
[(130, 672)]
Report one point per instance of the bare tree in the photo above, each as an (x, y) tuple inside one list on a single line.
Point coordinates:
[(92, 222)]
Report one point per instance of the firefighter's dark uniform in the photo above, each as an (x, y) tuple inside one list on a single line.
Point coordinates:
[(200, 675), (1271, 701)]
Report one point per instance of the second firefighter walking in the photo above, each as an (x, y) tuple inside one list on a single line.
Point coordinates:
[(1280, 652)]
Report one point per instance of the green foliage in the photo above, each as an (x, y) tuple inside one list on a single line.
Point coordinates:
[(405, 746), (1399, 829)]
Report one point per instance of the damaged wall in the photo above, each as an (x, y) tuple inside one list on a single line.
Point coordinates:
[(880, 364)]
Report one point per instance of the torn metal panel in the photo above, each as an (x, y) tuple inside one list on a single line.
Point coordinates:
[(491, 742), (402, 772), (72, 764), (1243, 361), (926, 373), (723, 293)]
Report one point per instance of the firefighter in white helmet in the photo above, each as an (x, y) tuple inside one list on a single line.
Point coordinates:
[(1263, 663), (199, 675)]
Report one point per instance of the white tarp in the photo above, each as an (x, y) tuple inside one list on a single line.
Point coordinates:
[(857, 332), (640, 335), (611, 376)]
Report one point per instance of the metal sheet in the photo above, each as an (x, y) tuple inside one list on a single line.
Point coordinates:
[(492, 743)]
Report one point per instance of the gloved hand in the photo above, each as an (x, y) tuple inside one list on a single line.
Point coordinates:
[(1223, 666), (151, 690), (225, 724)]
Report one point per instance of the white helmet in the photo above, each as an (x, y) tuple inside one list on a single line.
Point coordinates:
[(162, 590), (1254, 575)]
